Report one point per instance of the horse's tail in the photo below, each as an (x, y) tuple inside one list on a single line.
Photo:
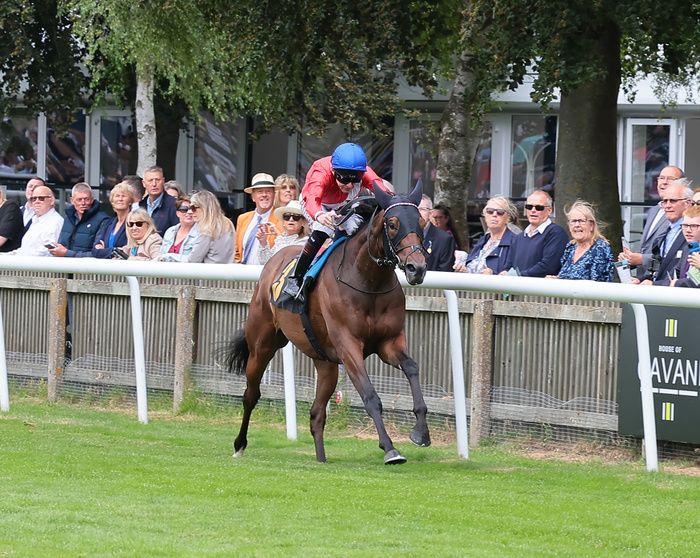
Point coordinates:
[(236, 353)]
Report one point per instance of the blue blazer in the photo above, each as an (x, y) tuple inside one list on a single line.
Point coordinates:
[(496, 260)]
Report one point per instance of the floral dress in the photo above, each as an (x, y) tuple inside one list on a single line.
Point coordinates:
[(596, 263)]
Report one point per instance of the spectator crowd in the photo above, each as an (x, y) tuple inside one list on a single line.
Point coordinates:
[(152, 219)]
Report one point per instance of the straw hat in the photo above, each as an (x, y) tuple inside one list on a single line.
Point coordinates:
[(260, 180), (292, 207)]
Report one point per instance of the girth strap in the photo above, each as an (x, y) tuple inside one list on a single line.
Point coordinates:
[(309, 331)]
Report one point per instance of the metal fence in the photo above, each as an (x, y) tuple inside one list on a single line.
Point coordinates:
[(553, 361)]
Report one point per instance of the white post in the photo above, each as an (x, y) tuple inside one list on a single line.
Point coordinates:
[(4, 386), (290, 396), (139, 357), (644, 373), (457, 374)]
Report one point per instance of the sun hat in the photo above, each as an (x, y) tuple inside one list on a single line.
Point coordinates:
[(260, 180), (292, 207)]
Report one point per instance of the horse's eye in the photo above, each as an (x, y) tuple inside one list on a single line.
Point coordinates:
[(393, 226)]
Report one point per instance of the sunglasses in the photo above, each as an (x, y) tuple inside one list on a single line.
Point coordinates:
[(695, 202), (293, 216), (530, 207), (138, 224), (187, 208), (491, 211), (38, 198), (346, 177)]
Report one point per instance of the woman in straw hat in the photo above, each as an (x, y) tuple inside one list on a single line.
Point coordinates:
[(294, 231)]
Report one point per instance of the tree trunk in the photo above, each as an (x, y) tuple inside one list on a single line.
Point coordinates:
[(457, 148), (145, 118), (586, 166)]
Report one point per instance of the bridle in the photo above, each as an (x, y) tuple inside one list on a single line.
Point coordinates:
[(390, 247)]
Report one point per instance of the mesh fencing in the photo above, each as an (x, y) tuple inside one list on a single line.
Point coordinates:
[(516, 413)]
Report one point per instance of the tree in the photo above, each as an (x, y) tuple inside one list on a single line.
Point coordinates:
[(585, 50), (39, 60)]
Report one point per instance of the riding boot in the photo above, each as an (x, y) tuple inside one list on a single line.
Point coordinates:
[(294, 282)]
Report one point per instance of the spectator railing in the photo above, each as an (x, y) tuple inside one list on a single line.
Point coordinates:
[(449, 282)]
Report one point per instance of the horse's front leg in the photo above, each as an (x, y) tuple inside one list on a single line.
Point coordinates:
[(355, 368), (326, 382), (394, 353)]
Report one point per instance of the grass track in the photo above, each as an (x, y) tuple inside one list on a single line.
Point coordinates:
[(83, 482)]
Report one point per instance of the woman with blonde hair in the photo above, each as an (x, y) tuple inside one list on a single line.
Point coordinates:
[(588, 255), (490, 253), (143, 240), (286, 190), (215, 242), (11, 224)]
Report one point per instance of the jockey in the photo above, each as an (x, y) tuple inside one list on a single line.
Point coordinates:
[(330, 183)]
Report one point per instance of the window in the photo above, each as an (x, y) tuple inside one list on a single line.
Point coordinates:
[(65, 152), (18, 145), (534, 139), (216, 152)]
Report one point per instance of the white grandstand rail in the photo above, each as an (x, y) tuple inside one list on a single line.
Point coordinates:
[(582, 290)]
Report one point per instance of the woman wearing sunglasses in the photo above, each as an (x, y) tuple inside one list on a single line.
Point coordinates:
[(489, 255), (294, 231), (216, 235), (179, 240), (143, 240)]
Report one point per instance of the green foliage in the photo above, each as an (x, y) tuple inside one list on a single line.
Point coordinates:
[(553, 42), (80, 482), (39, 60)]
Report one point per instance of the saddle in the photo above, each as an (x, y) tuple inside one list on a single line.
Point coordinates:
[(281, 299)]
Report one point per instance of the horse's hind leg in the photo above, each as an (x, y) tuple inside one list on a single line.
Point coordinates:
[(394, 353), (261, 354), (326, 382)]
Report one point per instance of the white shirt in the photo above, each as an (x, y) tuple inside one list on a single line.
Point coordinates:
[(254, 257), (44, 229), (529, 231), (27, 213)]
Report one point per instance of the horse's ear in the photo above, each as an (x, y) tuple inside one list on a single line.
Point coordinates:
[(383, 198), (417, 194)]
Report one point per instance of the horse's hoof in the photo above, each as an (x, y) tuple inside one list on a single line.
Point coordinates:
[(421, 440), (239, 453), (393, 457)]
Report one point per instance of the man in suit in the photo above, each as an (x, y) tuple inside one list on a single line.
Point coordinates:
[(668, 248), (160, 206), (655, 225), (439, 244), (262, 190)]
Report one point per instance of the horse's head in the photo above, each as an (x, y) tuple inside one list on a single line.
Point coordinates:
[(403, 235)]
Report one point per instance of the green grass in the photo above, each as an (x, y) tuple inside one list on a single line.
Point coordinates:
[(84, 482)]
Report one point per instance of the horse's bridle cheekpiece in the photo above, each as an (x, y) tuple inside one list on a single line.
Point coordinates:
[(390, 250)]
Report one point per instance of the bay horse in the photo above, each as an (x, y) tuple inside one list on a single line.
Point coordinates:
[(357, 308)]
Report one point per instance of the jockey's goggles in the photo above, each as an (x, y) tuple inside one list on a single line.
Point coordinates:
[(347, 176)]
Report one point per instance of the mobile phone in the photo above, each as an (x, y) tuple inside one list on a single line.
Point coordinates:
[(120, 253), (50, 245)]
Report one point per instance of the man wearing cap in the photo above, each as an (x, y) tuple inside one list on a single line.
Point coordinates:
[(330, 182), (262, 191), (160, 206)]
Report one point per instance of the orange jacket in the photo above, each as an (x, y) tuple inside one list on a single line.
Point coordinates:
[(241, 227)]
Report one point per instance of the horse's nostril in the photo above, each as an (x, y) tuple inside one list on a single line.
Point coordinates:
[(411, 268)]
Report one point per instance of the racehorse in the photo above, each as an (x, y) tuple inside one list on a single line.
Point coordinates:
[(356, 309)]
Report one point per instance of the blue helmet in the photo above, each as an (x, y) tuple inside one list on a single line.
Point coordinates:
[(349, 156)]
